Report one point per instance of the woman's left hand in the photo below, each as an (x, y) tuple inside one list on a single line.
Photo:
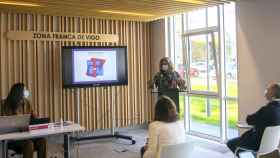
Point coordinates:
[(181, 84)]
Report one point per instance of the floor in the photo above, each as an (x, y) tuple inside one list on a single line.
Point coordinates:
[(212, 130), (118, 148)]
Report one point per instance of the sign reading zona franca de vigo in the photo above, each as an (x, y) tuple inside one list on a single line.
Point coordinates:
[(61, 36)]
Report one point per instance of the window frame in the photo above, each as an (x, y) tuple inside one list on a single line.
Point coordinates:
[(221, 58)]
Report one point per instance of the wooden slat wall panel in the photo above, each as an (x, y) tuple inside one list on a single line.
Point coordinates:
[(38, 65), (155, 8)]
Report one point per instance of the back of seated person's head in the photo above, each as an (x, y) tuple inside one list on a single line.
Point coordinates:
[(165, 110), (273, 91), (277, 91)]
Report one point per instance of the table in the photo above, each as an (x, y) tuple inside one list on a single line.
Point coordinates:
[(243, 125), (65, 130)]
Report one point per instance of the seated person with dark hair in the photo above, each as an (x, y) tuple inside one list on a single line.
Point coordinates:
[(15, 104), (268, 115), (165, 129)]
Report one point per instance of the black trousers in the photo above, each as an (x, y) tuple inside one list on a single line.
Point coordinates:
[(248, 143), (142, 151), (27, 147)]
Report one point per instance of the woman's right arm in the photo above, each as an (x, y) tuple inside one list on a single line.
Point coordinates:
[(155, 80), (153, 141)]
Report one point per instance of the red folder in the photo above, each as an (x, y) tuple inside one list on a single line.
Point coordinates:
[(39, 126)]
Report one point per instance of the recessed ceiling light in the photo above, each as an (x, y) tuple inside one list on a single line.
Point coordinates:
[(191, 1), (125, 13), (19, 3)]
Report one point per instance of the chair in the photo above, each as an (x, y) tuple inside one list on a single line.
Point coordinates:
[(269, 143), (274, 154), (182, 150)]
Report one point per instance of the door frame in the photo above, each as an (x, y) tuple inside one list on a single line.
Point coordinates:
[(218, 62)]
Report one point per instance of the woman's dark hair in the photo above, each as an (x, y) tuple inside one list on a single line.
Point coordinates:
[(165, 110), (15, 96)]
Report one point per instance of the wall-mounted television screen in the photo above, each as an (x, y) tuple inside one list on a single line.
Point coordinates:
[(90, 66)]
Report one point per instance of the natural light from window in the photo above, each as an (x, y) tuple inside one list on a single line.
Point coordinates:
[(202, 45)]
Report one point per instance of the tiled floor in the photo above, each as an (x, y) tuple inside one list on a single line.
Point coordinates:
[(117, 148)]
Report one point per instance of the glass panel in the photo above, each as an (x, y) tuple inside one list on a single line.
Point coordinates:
[(212, 72), (182, 107), (205, 115), (178, 55), (197, 19), (230, 51), (185, 21), (232, 115), (212, 16), (198, 62), (171, 39), (202, 64)]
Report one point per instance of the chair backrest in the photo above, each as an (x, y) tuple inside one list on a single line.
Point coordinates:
[(182, 150), (270, 139)]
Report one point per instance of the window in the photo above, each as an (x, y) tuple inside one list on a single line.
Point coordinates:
[(202, 45), (197, 19), (231, 68)]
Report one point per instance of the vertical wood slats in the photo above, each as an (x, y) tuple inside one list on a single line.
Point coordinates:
[(38, 65), (156, 8)]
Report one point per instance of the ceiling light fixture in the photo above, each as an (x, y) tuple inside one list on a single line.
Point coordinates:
[(191, 1), (19, 3), (125, 13)]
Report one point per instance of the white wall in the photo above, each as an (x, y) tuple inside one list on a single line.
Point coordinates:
[(258, 45), (158, 44)]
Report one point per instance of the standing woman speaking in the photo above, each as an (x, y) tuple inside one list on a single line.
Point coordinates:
[(167, 77)]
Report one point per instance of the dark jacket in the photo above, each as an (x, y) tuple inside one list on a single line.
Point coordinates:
[(166, 80), (268, 115)]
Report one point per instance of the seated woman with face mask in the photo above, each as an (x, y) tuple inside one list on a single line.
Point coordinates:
[(167, 77), (17, 103)]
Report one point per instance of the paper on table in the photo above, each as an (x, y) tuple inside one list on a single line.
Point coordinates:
[(243, 125)]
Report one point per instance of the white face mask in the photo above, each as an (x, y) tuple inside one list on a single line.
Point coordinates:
[(164, 67), (26, 93), (265, 92)]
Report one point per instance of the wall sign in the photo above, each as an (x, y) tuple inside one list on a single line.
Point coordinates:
[(59, 36)]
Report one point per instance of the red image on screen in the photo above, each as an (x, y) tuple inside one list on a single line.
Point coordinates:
[(95, 67)]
